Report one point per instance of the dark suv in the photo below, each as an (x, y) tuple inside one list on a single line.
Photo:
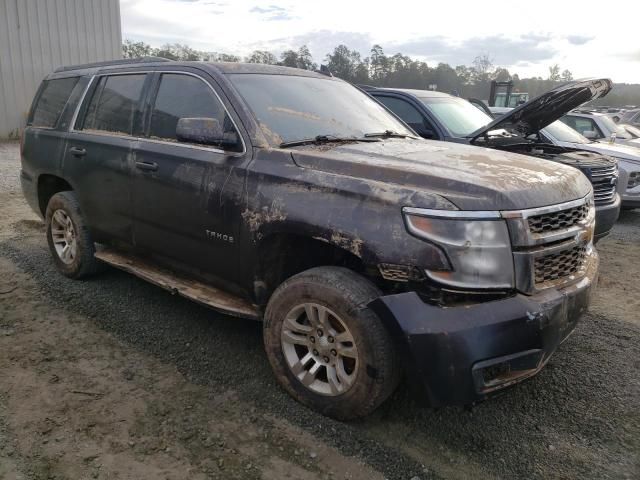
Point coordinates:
[(291, 197)]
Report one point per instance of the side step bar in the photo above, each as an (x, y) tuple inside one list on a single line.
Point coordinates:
[(192, 289)]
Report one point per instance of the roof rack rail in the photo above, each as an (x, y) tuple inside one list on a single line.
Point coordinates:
[(108, 63)]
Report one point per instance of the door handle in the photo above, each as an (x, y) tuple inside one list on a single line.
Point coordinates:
[(77, 152), (148, 166)]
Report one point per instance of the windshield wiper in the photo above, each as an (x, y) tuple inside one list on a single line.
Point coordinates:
[(321, 139), (386, 134)]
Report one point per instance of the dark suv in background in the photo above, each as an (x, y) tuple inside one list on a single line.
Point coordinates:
[(439, 116), (292, 197)]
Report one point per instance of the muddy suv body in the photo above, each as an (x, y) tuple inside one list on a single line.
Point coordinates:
[(292, 197)]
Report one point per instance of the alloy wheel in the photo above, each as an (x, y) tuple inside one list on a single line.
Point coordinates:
[(63, 235), (319, 349)]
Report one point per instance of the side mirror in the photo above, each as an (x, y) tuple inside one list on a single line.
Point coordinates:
[(206, 131), (427, 133), (590, 134), (422, 130)]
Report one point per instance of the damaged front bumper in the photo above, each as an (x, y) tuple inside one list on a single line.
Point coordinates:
[(462, 355)]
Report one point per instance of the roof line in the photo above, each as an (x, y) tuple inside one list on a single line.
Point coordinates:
[(107, 63)]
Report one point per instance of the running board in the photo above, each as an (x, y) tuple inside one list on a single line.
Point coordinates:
[(192, 289)]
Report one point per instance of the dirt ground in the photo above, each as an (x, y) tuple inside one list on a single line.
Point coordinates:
[(113, 378)]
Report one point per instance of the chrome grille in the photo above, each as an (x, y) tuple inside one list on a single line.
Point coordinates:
[(552, 245), (558, 266), (604, 180), (550, 222)]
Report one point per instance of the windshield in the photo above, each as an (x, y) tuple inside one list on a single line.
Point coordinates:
[(291, 108), (564, 133), (612, 127), (458, 116)]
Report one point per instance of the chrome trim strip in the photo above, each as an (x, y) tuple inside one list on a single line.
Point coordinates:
[(532, 212), (493, 214), (453, 214), (72, 123), (178, 144)]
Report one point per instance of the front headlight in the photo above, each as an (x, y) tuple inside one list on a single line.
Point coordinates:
[(476, 243)]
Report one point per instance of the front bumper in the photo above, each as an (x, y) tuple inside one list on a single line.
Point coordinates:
[(606, 217), (462, 355), (630, 197)]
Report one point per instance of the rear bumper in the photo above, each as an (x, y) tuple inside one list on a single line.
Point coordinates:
[(606, 217), (462, 355)]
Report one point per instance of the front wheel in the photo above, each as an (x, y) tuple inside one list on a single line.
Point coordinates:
[(326, 347)]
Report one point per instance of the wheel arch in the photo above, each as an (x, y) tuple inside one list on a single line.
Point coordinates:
[(47, 186), (282, 255)]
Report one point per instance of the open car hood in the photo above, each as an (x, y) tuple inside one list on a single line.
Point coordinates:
[(536, 114)]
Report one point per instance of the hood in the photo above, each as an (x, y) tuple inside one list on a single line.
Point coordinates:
[(632, 142), (471, 178), (619, 151), (547, 108)]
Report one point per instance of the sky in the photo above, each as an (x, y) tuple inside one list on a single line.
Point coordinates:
[(589, 38)]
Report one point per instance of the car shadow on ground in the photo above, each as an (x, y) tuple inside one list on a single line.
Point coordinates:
[(576, 418)]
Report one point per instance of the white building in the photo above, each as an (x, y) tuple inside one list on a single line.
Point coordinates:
[(38, 36)]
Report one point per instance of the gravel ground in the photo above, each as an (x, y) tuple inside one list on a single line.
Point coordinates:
[(579, 418)]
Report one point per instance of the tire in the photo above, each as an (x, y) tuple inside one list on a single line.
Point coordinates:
[(339, 298), (81, 262)]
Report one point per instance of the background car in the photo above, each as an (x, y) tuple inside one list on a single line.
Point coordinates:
[(628, 158), (598, 126), (631, 117), (560, 134), (440, 116)]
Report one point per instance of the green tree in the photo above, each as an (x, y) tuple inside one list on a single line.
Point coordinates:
[(262, 56), (344, 63), (566, 76), (305, 60), (501, 75), (298, 59), (132, 49), (378, 65), (226, 57), (554, 73), (482, 67)]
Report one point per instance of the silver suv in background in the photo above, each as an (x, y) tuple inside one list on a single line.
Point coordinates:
[(628, 158), (598, 126)]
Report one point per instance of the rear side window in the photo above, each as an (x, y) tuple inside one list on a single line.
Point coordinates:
[(403, 109), (114, 105), (183, 96), (51, 102), (583, 125)]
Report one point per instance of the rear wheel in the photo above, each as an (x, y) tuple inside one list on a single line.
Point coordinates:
[(69, 238), (326, 347)]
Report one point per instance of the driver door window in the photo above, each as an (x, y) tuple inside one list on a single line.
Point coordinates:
[(183, 96)]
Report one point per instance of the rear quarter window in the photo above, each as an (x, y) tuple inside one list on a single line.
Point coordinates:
[(51, 102)]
